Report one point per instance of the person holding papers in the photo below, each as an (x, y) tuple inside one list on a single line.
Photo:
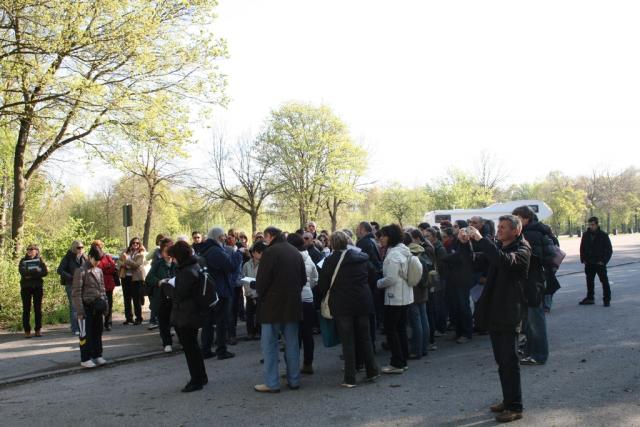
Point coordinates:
[(32, 270)]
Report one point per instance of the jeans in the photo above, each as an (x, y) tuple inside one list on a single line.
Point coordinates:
[(306, 331), (536, 332), (462, 309), (73, 315), (269, 344), (548, 302), (354, 335), (131, 293), (601, 270), (189, 339), (504, 352), (218, 316), (27, 294), (91, 336), (395, 327), (420, 333)]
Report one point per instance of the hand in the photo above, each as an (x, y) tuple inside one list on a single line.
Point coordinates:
[(473, 233), (463, 237)]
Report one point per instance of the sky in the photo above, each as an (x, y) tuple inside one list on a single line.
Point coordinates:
[(426, 86)]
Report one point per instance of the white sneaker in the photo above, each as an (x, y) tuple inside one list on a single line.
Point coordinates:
[(167, 349), (392, 370), (88, 364), (76, 333), (100, 361)]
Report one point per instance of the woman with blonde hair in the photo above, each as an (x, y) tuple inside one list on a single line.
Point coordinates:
[(133, 273)]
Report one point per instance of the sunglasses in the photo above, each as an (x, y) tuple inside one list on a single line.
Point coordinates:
[(136, 243), (80, 247)]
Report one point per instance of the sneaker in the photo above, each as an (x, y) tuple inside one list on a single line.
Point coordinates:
[(107, 328), (606, 304), (152, 326), (392, 370), (508, 416), (167, 349), (88, 364), (372, 378), (433, 347), (463, 340), (76, 333), (347, 385), (530, 361), (498, 408), (100, 361), (262, 388), (587, 301)]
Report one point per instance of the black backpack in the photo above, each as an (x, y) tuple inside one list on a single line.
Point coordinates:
[(426, 267), (207, 296)]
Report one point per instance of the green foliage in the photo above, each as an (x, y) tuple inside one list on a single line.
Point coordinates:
[(460, 191)]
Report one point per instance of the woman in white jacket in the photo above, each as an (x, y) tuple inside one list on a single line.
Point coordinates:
[(308, 308), (398, 296)]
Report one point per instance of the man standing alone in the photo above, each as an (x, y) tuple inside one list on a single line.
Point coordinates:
[(595, 254)]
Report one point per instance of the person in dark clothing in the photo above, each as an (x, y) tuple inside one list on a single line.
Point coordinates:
[(595, 254), (458, 270), (221, 268), (185, 314), (74, 259), (161, 271), (351, 305), (314, 253), (367, 243), (32, 269), (501, 306), (281, 277), (436, 306)]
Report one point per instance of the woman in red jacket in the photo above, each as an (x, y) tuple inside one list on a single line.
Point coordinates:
[(109, 269)]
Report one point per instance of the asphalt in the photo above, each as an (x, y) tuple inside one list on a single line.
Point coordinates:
[(592, 377)]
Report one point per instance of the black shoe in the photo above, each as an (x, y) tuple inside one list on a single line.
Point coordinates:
[(232, 341), (607, 303), (137, 322), (226, 355), (208, 355), (127, 322), (191, 387), (107, 327), (587, 301), (293, 387)]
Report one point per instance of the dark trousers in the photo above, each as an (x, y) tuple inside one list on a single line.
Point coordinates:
[(253, 327), (504, 351), (378, 301), (164, 320), (236, 308), (90, 334), (189, 340), (132, 292), (395, 328), (220, 317), (27, 295), (108, 314), (462, 309), (355, 336), (601, 270), (306, 331)]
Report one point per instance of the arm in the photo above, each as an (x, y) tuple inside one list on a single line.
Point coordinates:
[(23, 269), (608, 249), (582, 247), (391, 274), (135, 262), (44, 271), (265, 273), (152, 278), (76, 292), (63, 269), (313, 280), (512, 261)]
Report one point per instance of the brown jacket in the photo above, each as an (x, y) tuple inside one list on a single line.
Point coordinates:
[(88, 285), (134, 264)]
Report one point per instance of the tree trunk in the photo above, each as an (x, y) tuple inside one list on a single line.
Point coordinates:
[(147, 221), (19, 187), (254, 223), (4, 206)]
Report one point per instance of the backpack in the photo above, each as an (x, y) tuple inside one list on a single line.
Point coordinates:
[(424, 280), (414, 271), (207, 297)]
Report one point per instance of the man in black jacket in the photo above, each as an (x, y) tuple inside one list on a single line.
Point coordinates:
[(314, 253), (595, 254), (501, 307), (367, 243)]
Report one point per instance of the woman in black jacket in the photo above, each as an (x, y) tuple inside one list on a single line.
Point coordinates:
[(32, 270), (351, 305), (185, 315)]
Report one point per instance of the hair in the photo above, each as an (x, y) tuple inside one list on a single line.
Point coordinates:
[(325, 232), (447, 232), (232, 232), (159, 237), (435, 232), (258, 247), (300, 231), (462, 223), (339, 240), (242, 234), (366, 226), (407, 239), (311, 223), (193, 233), (95, 253), (273, 231), (75, 244), (416, 234), (34, 247), (140, 248), (98, 243), (165, 243), (516, 223), (296, 240), (594, 219), (524, 212), (446, 224), (181, 251), (215, 233), (394, 233), (348, 232), (424, 226), (375, 225)]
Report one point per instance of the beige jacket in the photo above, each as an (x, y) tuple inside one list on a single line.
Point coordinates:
[(133, 264), (88, 285)]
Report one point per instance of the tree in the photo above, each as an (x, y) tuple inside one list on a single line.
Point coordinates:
[(303, 146), (71, 69), (250, 184), (460, 191), (6, 153), (405, 205), (490, 172)]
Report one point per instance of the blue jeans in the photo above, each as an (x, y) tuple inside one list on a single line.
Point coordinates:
[(548, 302), (536, 332), (269, 344), (73, 315), (419, 322)]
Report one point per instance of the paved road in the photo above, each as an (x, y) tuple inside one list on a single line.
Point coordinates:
[(592, 378)]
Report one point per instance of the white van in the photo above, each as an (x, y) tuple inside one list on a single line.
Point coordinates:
[(493, 212)]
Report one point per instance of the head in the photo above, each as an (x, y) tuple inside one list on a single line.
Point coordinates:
[(242, 238), (77, 248), (271, 233), (476, 222), (593, 223), (509, 228), (423, 227), (297, 241), (407, 239), (339, 241), (217, 235), (458, 225), (258, 237), (135, 245), (391, 235), (159, 237), (525, 213), (307, 239), (196, 237), (375, 226), (432, 235), (363, 229), (99, 244), (257, 250), (447, 234), (416, 236), (181, 252), (165, 244), (95, 255), (311, 227), (324, 241), (33, 251), (445, 224)]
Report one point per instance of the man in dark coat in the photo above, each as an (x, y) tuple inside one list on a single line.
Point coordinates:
[(279, 284), (501, 307), (595, 254), (314, 253), (367, 243), (220, 267)]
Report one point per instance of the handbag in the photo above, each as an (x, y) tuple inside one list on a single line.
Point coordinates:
[(329, 333), (99, 306), (325, 311)]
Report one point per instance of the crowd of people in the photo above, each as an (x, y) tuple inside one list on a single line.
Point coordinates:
[(415, 285)]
